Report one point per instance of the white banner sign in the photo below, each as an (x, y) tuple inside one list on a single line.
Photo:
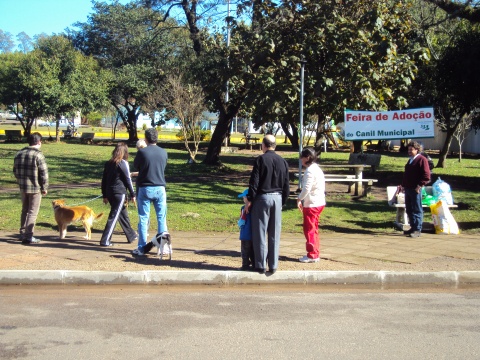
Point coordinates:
[(389, 125)]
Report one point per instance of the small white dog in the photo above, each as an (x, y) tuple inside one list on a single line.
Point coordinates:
[(160, 240)]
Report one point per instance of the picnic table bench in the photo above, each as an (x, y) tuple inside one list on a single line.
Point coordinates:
[(357, 179), (251, 141), (373, 160), (351, 181), (13, 135), (401, 219), (87, 138)]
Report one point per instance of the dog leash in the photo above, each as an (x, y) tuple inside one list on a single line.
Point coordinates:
[(87, 201)]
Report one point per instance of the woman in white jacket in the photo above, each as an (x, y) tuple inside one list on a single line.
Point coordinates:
[(311, 202)]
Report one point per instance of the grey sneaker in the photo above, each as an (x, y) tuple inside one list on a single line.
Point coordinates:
[(30, 241), (415, 234), (138, 252), (306, 259)]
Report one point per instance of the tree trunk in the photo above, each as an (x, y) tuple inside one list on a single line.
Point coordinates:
[(292, 136), (445, 149), (132, 126), (357, 146), (218, 137), (57, 129), (27, 127)]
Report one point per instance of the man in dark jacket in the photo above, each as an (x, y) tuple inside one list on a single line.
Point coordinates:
[(268, 190), (150, 162), (416, 176)]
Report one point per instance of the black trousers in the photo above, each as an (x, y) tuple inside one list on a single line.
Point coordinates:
[(248, 257), (118, 212)]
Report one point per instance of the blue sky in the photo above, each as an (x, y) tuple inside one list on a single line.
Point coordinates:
[(43, 16), (38, 16)]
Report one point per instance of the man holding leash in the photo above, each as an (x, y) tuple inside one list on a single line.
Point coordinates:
[(150, 163), (30, 170), (268, 191)]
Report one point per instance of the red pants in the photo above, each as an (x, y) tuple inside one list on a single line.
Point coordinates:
[(310, 230)]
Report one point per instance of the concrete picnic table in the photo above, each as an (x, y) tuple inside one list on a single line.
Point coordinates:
[(358, 168)]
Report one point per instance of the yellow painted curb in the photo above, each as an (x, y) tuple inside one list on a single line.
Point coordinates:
[(124, 136)]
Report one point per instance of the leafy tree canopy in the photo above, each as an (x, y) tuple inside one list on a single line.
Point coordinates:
[(51, 80), (6, 42), (137, 47)]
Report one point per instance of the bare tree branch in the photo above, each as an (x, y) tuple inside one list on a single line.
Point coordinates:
[(469, 10)]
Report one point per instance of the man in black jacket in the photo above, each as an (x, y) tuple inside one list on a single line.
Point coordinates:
[(268, 191)]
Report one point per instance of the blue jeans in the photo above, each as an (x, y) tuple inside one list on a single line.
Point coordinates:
[(413, 208), (147, 195)]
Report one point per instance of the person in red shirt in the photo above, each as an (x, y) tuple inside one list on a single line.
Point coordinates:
[(415, 177)]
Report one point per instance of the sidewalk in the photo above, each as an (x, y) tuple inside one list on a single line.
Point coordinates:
[(380, 260)]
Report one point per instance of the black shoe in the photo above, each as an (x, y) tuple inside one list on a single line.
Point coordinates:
[(132, 241), (260, 271), (148, 247), (408, 232), (30, 241), (245, 268), (106, 245), (272, 271)]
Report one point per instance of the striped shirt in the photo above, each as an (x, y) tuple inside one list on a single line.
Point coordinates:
[(30, 170)]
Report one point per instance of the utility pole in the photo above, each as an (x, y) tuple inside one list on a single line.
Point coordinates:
[(300, 144), (228, 45)]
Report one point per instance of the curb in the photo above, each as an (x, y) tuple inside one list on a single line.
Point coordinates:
[(376, 279)]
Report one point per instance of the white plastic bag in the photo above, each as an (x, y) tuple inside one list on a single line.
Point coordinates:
[(443, 220), (442, 191)]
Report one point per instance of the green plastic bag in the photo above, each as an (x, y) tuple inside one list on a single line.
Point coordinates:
[(428, 199)]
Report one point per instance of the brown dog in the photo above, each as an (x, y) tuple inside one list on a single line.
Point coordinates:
[(65, 215)]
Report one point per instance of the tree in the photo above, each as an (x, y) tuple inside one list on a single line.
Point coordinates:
[(6, 42), (51, 80), (80, 83), (461, 133), (359, 55), (456, 85), (136, 46), (215, 65), (25, 42), (186, 103), (21, 80), (94, 118)]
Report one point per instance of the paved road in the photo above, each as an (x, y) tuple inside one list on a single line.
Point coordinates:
[(150, 322)]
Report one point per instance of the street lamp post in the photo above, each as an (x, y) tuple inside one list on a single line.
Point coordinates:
[(227, 84), (300, 144)]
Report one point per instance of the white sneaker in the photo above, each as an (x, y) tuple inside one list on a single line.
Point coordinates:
[(306, 259), (138, 252)]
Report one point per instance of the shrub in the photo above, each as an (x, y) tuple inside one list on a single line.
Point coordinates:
[(204, 135), (94, 118)]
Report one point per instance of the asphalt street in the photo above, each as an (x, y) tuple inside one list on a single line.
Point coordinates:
[(150, 322)]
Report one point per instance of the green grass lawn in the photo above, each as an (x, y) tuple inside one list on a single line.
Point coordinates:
[(202, 198)]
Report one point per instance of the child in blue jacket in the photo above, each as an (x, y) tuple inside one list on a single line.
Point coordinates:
[(245, 226)]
